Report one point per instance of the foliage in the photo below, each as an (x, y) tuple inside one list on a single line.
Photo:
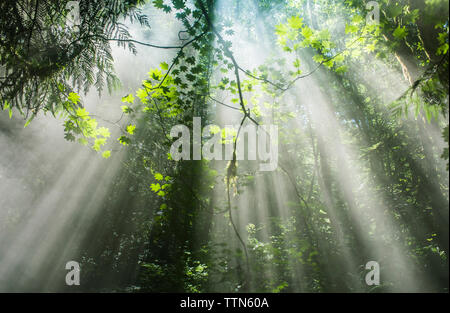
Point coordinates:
[(181, 233)]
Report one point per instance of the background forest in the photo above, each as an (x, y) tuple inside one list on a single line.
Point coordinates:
[(359, 92)]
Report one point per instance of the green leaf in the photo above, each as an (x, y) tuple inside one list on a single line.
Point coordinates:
[(350, 29), (178, 4), (7, 107), (82, 113), (126, 109), (158, 3), (124, 140), (142, 94), (357, 19), (342, 69), (74, 98), (159, 176), (29, 121), (130, 129), (281, 30), (307, 32), (103, 131), (155, 74), (318, 58), (295, 22), (106, 154), (400, 32), (394, 10), (155, 187), (374, 147), (98, 143), (128, 99), (164, 66), (442, 50)]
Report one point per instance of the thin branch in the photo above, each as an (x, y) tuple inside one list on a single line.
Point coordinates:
[(151, 45), (298, 77), (175, 60), (226, 105)]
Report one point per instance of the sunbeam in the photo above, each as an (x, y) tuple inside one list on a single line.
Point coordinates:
[(198, 146)]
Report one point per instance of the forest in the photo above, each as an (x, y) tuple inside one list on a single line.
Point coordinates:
[(224, 146)]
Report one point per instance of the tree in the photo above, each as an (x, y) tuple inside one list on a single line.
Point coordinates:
[(359, 176)]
